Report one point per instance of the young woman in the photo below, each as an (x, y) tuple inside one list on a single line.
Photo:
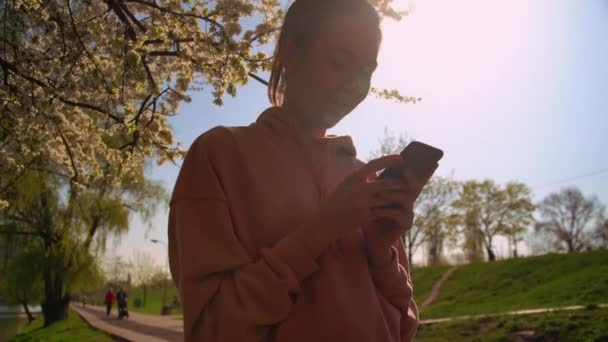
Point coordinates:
[(276, 231)]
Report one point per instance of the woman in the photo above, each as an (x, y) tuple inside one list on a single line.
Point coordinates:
[(277, 232), (109, 300)]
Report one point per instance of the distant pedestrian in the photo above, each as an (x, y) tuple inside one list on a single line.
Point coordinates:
[(109, 300), (121, 300), (175, 303)]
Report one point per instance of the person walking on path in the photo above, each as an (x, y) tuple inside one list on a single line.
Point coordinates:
[(121, 300), (109, 300), (277, 232)]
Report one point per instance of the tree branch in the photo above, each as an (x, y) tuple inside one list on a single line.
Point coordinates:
[(149, 73), (191, 15), (19, 232), (116, 8), (92, 107), (163, 53), (71, 155), (258, 78), (84, 48), (43, 85)]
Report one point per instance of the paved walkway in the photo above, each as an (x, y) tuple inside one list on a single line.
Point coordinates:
[(138, 327), (152, 328), (510, 313)]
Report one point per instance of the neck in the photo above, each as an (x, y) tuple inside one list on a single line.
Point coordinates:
[(301, 122)]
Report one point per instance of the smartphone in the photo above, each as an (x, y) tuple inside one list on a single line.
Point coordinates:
[(419, 157)]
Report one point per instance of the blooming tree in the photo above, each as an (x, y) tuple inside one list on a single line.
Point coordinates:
[(87, 85), (86, 88)]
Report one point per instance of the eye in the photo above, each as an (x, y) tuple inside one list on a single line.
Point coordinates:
[(339, 65)]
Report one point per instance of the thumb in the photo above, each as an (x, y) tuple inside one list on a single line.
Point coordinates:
[(376, 165)]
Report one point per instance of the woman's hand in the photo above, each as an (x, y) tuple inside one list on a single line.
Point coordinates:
[(393, 219), (353, 202)]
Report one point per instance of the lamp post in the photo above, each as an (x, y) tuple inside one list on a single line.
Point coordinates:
[(167, 274)]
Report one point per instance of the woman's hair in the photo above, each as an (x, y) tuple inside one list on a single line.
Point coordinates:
[(303, 21)]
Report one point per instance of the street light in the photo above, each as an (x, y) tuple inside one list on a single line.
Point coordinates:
[(167, 274)]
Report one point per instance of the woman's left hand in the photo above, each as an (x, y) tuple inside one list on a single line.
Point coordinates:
[(393, 220)]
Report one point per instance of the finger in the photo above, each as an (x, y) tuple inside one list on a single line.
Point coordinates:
[(403, 200), (376, 165), (382, 185), (404, 218), (374, 203)]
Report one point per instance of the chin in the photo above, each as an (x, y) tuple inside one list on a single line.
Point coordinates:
[(331, 120)]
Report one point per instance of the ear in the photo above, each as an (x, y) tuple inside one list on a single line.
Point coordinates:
[(289, 53)]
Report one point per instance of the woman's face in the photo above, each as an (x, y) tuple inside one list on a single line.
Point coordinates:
[(328, 78)]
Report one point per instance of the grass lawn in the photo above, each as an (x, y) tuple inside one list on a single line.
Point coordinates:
[(154, 300), (534, 282), (424, 278), (72, 329), (580, 326)]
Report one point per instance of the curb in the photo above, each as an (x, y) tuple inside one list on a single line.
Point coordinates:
[(112, 335), (511, 313)]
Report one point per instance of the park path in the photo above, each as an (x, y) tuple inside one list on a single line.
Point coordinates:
[(152, 328), (512, 313), (138, 327), (432, 297)]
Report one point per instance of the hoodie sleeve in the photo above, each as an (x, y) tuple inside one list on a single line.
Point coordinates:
[(227, 294), (394, 284)]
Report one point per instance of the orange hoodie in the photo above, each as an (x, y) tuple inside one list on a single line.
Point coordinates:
[(244, 275)]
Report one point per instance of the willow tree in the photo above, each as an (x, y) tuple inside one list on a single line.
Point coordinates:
[(66, 231)]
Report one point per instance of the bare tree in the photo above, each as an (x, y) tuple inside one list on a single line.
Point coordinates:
[(142, 270), (390, 144), (393, 144), (567, 217), (432, 209), (600, 233)]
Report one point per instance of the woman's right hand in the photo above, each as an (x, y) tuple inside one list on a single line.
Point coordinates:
[(351, 203)]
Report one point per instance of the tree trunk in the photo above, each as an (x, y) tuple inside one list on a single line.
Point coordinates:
[(30, 317), (407, 243), (491, 256), (55, 307), (432, 259), (570, 246)]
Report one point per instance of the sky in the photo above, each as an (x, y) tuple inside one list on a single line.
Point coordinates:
[(512, 91)]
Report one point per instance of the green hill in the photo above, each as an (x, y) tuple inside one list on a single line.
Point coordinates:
[(534, 282), (423, 280)]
